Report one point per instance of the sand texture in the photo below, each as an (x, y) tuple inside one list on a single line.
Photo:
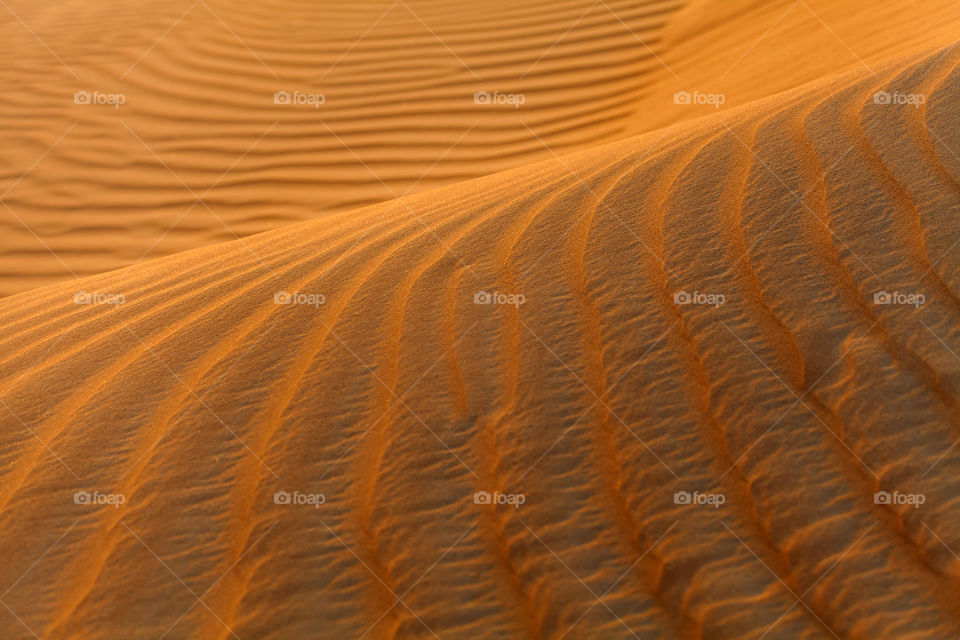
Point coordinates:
[(703, 360), (198, 152)]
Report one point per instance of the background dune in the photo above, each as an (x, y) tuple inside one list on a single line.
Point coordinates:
[(757, 308), (199, 153)]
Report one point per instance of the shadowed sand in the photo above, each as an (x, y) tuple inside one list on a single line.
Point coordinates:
[(199, 153), (787, 386)]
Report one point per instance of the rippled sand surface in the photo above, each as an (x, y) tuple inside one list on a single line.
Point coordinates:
[(615, 365)]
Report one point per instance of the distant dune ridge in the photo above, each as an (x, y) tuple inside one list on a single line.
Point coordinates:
[(177, 143), (701, 382)]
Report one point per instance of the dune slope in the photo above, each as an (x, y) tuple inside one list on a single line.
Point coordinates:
[(756, 310), (198, 152)]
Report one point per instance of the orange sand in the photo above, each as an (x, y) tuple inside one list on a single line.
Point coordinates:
[(755, 307), (199, 153)]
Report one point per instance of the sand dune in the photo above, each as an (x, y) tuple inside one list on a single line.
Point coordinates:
[(757, 308), (204, 155)]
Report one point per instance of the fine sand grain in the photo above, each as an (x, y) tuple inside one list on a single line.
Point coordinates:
[(691, 364), (198, 152)]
